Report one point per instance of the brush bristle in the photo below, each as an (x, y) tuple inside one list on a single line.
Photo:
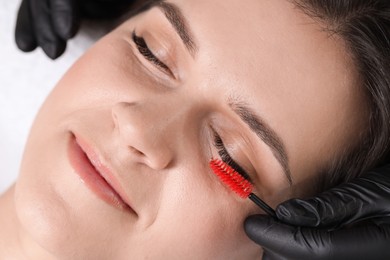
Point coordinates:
[(231, 178)]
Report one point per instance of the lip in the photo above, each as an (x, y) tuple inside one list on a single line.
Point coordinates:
[(97, 177)]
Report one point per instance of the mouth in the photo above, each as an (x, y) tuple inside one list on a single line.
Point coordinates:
[(96, 176)]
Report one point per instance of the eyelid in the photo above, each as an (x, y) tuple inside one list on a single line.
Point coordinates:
[(226, 157), (145, 51)]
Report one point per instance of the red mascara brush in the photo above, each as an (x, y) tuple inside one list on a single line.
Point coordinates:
[(238, 184)]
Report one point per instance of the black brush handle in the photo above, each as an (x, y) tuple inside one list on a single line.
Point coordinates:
[(264, 206)]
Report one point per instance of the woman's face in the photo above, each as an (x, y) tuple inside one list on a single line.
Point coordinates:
[(278, 91)]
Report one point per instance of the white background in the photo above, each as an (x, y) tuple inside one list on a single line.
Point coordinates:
[(25, 81)]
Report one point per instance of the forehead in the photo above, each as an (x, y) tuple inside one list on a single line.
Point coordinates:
[(258, 32)]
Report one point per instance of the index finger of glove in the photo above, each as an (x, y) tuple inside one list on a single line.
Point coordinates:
[(24, 34), (368, 196), (284, 239), (65, 17)]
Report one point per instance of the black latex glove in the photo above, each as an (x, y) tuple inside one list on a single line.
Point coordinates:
[(50, 23), (351, 221)]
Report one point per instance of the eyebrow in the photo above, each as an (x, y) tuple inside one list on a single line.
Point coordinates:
[(265, 133), (175, 16)]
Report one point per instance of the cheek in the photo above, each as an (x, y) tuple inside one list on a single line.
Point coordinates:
[(104, 72), (204, 219), (87, 75)]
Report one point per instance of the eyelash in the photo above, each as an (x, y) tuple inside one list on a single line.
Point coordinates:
[(147, 53), (225, 156)]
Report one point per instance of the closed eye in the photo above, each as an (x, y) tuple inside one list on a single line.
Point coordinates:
[(148, 54), (225, 156)]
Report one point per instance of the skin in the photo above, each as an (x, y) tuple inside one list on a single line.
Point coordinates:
[(154, 132)]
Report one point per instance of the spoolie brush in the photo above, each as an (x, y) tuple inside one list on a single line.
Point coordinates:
[(238, 184)]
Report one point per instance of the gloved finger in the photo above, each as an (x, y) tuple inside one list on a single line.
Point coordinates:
[(367, 196), (46, 37), (369, 241), (24, 34), (65, 18), (274, 236)]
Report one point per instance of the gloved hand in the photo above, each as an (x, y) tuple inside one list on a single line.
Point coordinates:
[(351, 221), (50, 23)]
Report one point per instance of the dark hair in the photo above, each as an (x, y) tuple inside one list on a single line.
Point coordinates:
[(137, 7), (364, 25)]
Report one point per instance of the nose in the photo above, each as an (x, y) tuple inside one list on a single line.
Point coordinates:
[(146, 131)]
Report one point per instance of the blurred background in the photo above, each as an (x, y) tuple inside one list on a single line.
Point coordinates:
[(25, 81)]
